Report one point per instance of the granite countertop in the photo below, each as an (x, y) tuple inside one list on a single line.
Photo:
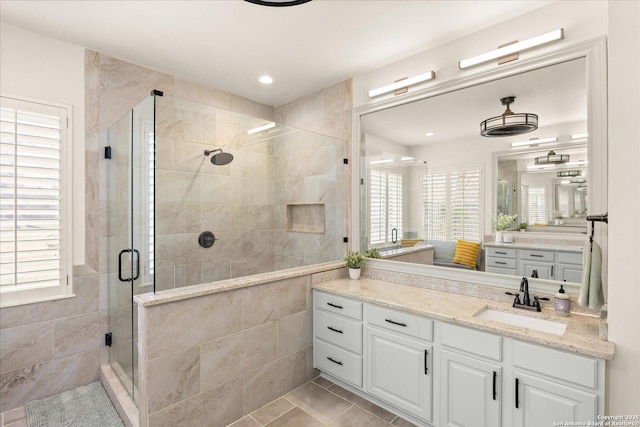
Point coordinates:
[(532, 245), (581, 335)]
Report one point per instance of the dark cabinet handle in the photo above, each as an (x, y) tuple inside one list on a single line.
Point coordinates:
[(334, 305), (517, 384), (495, 375), (426, 365), (536, 255), (395, 323), (501, 253), (334, 329), (500, 262), (551, 270), (334, 361)]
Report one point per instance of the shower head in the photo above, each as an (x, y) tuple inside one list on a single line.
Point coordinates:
[(221, 158)]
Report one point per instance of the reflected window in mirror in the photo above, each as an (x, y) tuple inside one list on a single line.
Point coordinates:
[(385, 196)]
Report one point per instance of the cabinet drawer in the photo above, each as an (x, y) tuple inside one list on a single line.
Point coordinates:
[(569, 367), (398, 321), (337, 304), (501, 262), (472, 341), (509, 271), (338, 330), (501, 252), (338, 362), (569, 257), (532, 254)]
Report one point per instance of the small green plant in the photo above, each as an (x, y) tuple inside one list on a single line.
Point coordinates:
[(502, 221), (557, 214), (372, 253), (523, 225), (354, 259)]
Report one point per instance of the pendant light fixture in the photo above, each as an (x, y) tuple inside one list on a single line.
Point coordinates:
[(565, 174), (552, 158), (278, 3), (509, 123)]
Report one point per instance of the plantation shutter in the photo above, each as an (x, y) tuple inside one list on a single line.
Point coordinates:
[(537, 211), (452, 204), (32, 195), (385, 205)]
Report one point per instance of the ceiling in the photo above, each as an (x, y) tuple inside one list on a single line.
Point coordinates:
[(557, 94), (228, 44)]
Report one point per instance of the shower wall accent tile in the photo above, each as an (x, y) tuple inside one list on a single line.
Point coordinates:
[(47, 378), (173, 378), (235, 355), (274, 380), (295, 332), (176, 324), (26, 345), (264, 303), (79, 333)]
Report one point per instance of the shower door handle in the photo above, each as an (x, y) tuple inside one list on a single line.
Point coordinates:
[(122, 279), (137, 265), (394, 235)]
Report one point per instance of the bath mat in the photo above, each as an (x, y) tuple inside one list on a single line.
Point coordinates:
[(87, 406)]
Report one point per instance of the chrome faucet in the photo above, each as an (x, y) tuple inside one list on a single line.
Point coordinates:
[(526, 299)]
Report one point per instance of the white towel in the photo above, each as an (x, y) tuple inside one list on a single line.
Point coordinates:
[(591, 294)]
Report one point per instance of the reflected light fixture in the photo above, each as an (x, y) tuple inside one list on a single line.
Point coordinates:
[(265, 80), (278, 3), (261, 128), (404, 159), (534, 141), (563, 174), (379, 162), (509, 123), (401, 84), (429, 134), (512, 48), (552, 158), (579, 135), (578, 163), (536, 167)]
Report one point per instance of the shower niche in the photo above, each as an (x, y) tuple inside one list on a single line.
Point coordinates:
[(306, 218)]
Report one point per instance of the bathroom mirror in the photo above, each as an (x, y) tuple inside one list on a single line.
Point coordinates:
[(439, 130)]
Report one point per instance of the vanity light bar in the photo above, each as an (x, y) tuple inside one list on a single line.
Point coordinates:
[(404, 159), (261, 128), (402, 84), (579, 135), (379, 162), (512, 48), (577, 163), (534, 141), (534, 167)]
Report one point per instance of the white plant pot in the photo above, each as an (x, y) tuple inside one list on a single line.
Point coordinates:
[(354, 273), (498, 237)]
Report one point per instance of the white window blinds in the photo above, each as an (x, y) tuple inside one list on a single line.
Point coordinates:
[(385, 196), (33, 240), (536, 208), (452, 204)]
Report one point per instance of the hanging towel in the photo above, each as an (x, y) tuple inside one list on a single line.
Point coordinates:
[(591, 294)]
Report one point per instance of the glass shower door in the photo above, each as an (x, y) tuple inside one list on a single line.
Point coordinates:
[(130, 233)]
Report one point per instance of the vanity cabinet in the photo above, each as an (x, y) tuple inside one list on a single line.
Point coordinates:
[(337, 342), (399, 360), (471, 374), (551, 385), (552, 265)]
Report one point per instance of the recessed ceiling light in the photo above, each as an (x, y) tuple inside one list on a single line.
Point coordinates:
[(429, 134), (265, 80)]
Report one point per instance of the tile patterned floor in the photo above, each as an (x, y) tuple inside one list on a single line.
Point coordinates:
[(318, 403), (321, 403)]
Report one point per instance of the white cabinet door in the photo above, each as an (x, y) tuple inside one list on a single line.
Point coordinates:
[(470, 391), (545, 269), (399, 371), (571, 272), (541, 402)]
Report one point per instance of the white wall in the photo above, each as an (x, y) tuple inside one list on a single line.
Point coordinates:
[(45, 69), (624, 205)]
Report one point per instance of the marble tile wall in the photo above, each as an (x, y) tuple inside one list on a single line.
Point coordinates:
[(211, 360)]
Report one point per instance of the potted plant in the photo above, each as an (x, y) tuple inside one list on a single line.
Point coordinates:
[(354, 261), (558, 217), (500, 223), (523, 226), (372, 253)]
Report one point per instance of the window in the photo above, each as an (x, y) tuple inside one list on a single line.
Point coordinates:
[(35, 248), (385, 195), (452, 204), (535, 197)]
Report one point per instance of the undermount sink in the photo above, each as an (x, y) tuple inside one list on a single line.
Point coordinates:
[(521, 320)]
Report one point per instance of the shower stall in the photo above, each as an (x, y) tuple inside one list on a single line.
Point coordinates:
[(198, 194)]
